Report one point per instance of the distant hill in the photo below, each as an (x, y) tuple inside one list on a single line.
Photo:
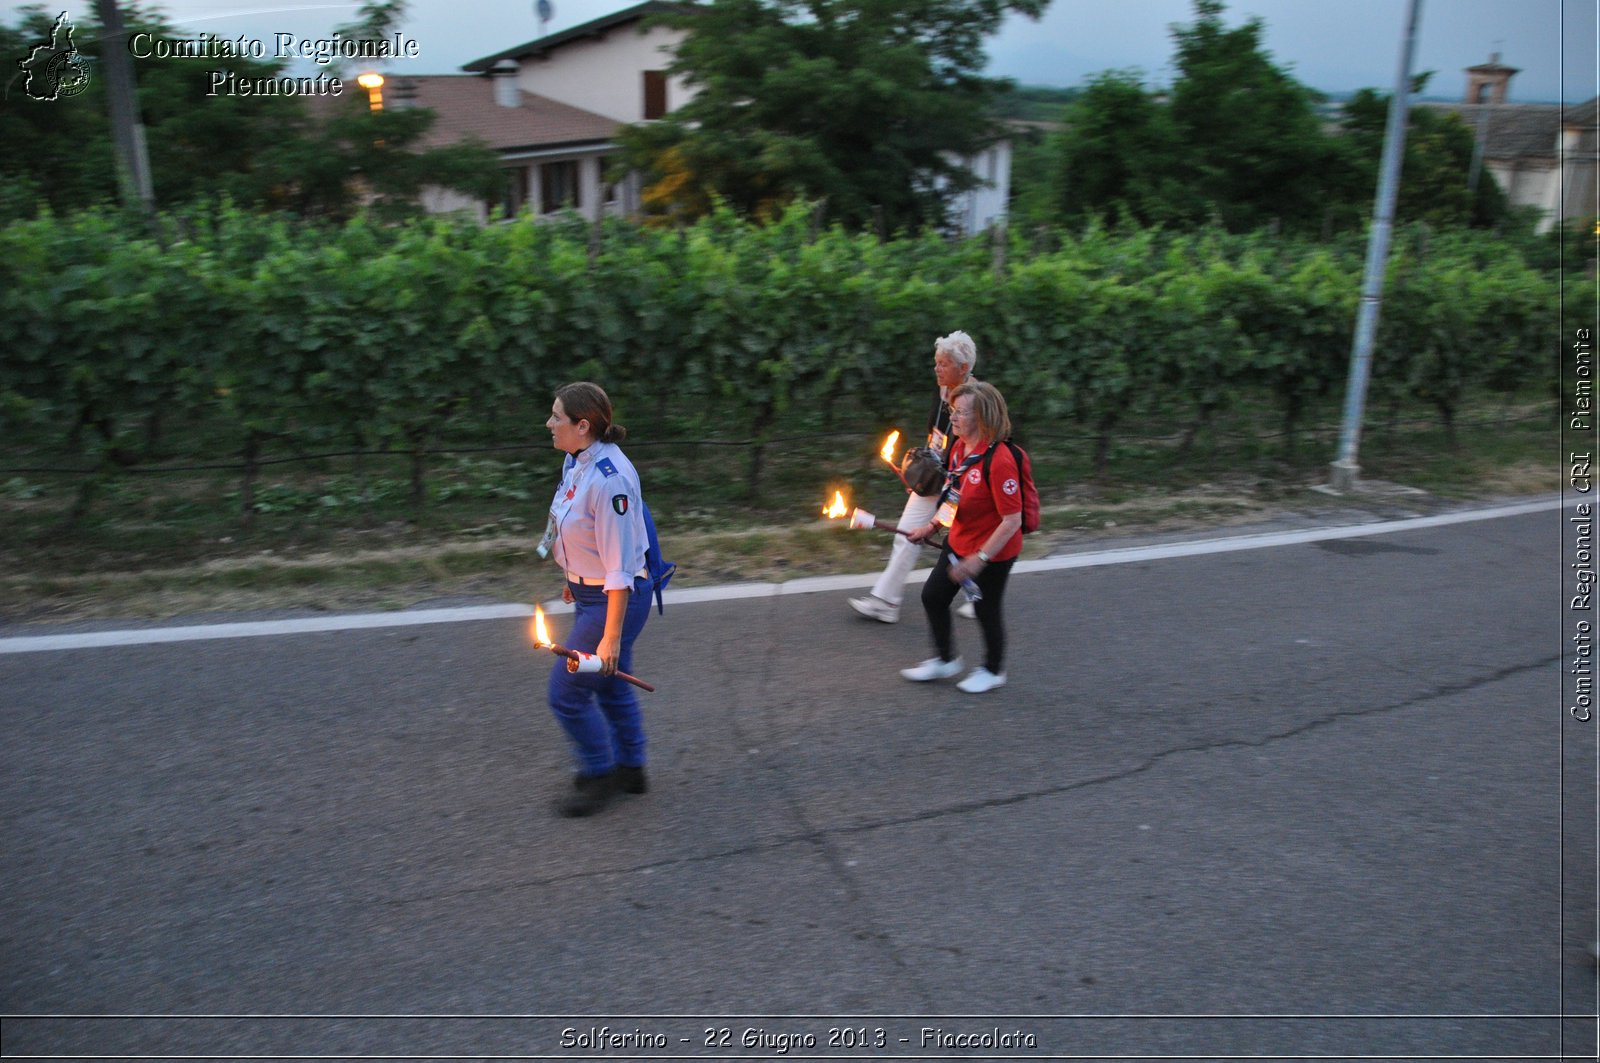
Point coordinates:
[(1035, 103)]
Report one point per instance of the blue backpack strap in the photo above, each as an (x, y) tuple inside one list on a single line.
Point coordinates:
[(661, 570)]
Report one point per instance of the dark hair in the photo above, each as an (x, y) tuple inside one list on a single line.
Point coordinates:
[(583, 401)]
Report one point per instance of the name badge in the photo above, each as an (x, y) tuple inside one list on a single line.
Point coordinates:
[(543, 549)]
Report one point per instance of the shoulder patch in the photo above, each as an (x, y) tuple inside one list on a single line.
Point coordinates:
[(606, 467), (619, 503)]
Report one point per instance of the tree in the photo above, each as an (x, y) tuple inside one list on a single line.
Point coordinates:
[(1238, 141), (868, 104), (61, 151), (1253, 146), (1117, 155), (259, 150), (375, 20), (58, 152), (354, 158), (1434, 173)]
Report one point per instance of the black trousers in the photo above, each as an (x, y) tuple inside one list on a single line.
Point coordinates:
[(940, 591)]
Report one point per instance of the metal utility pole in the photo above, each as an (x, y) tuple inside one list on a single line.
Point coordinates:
[(1346, 471), (127, 132)]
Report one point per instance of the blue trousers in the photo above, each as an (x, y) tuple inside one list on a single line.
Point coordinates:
[(601, 714)]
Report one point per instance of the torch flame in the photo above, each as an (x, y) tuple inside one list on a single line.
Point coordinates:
[(888, 446), (540, 634), (838, 508)]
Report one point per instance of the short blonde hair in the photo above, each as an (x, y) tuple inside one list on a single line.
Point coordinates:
[(989, 407)]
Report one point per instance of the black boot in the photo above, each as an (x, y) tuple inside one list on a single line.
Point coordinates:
[(589, 794), (631, 780)]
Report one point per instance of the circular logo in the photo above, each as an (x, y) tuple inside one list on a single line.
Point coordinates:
[(68, 74), (974, 477), (1009, 487)]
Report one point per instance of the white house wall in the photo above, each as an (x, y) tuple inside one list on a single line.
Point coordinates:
[(980, 208), (605, 74), (436, 200), (1528, 183)]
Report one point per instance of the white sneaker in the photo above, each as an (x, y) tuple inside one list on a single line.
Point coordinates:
[(876, 608), (981, 681), (968, 610), (932, 668)]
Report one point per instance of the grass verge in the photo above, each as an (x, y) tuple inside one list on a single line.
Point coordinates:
[(166, 547)]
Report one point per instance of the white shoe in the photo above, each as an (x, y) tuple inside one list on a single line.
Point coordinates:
[(981, 681), (968, 610), (876, 608), (932, 668)]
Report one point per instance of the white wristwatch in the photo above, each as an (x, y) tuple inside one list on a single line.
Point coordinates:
[(983, 557)]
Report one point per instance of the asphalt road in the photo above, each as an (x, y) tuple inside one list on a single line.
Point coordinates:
[(1306, 800)]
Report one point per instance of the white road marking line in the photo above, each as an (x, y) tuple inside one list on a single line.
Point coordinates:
[(687, 596)]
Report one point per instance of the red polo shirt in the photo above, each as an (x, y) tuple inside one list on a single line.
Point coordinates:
[(985, 504)]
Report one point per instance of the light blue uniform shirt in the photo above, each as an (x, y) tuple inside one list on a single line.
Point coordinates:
[(595, 517)]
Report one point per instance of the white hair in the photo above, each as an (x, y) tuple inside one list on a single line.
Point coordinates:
[(959, 346)]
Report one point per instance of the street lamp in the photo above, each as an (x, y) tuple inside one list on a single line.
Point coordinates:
[(1346, 471), (373, 83)]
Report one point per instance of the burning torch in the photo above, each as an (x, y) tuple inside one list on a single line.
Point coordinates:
[(577, 660), (887, 454), (859, 518)]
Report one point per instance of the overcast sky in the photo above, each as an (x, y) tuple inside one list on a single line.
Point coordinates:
[(1332, 45)]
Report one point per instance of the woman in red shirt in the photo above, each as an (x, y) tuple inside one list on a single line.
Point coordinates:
[(983, 512)]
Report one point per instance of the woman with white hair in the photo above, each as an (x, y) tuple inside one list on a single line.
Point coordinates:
[(953, 358)]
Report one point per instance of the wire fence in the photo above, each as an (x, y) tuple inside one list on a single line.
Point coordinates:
[(1041, 439)]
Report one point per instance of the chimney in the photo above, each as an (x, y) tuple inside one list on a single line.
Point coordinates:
[(504, 74)]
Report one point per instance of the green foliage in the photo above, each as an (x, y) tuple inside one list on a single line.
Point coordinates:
[(865, 104), (1434, 172), (412, 337), (1236, 140), (1253, 147), (1118, 156), (1461, 312), (259, 150), (1035, 103)]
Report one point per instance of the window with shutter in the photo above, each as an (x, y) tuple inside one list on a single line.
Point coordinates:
[(655, 94)]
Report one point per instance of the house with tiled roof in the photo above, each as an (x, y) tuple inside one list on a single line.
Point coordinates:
[(615, 65), (1580, 160), (1541, 154), (553, 155), (553, 108)]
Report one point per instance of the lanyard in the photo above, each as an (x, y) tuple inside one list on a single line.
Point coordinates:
[(952, 492), (562, 504)]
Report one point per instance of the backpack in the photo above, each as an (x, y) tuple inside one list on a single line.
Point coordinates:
[(1030, 493), (660, 569)]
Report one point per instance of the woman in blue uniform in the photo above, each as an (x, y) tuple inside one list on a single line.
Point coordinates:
[(596, 534)]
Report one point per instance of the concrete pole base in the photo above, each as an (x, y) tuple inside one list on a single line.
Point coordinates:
[(1343, 476)]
